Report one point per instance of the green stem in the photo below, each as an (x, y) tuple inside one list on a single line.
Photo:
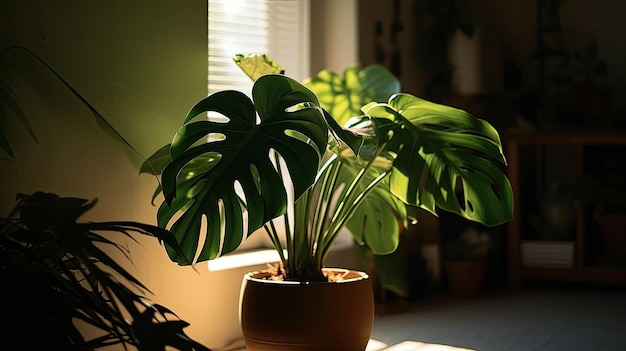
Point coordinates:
[(289, 263), (351, 202), (326, 192), (288, 240), (273, 234), (338, 225)]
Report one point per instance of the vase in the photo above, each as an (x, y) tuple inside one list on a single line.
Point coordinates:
[(307, 316)]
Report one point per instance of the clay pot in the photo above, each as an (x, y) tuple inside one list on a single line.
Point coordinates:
[(281, 316), (614, 233), (466, 278)]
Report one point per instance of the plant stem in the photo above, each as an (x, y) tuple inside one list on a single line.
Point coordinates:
[(273, 234), (288, 235), (326, 189), (352, 199)]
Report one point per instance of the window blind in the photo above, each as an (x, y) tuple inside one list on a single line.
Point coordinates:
[(278, 28)]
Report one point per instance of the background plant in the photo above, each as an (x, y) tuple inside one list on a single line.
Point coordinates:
[(61, 290), (10, 107), (57, 277)]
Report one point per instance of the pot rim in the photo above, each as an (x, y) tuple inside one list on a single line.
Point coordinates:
[(361, 276)]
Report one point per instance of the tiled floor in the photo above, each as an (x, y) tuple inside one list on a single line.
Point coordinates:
[(528, 320), (511, 321)]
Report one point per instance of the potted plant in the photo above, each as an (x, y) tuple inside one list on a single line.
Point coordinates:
[(603, 193), (282, 163), (612, 215), (465, 261), (57, 279)]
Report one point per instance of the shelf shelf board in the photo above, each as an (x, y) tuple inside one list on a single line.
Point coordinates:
[(567, 137), (600, 274)]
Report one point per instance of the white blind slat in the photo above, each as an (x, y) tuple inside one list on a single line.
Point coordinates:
[(274, 27)]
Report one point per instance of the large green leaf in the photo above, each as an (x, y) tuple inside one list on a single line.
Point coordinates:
[(238, 151), (445, 158), (255, 66), (392, 270), (344, 96), (378, 221), (155, 164)]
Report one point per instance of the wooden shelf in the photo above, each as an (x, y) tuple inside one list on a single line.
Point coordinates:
[(517, 142), (590, 274), (579, 138)]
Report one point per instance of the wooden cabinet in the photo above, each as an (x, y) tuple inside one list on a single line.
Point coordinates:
[(526, 155)]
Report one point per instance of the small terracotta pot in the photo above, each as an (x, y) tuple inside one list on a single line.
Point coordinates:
[(281, 316), (614, 233), (466, 278)]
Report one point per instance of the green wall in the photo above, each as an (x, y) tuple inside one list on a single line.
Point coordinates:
[(141, 64)]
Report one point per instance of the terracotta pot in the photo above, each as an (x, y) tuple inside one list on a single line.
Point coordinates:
[(466, 278), (280, 316), (614, 233)]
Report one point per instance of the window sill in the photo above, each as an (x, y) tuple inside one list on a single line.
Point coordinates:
[(243, 259), (256, 257)]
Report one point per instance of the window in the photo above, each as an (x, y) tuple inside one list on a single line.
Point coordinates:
[(278, 28)]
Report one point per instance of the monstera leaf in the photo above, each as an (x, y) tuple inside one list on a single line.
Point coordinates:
[(378, 220), (211, 157), (344, 96), (255, 66), (445, 158)]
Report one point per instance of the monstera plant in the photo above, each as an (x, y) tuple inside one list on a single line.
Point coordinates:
[(287, 162)]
